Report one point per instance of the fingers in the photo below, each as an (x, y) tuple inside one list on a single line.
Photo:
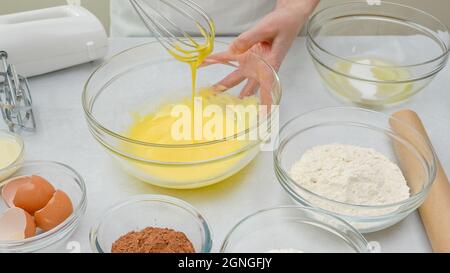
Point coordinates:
[(266, 97), (221, 57), (249, 89), (233, 79), (265, 92), (267, 84)]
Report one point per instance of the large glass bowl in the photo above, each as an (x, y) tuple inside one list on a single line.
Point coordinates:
[(364, 128), (293, 229), (140, 79), (376, 55)]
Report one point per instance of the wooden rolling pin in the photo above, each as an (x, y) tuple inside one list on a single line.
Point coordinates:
[(435, 211)]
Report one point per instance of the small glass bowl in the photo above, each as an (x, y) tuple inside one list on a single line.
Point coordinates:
[(293, 229), (148, 210), (364, 128), (141, 79), (7, 171), (377, 55), (61, 177)]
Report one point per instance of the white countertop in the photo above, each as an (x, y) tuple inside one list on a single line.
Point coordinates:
[(63, 135)]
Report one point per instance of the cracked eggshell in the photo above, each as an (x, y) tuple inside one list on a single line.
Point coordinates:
[(16, 224), (10, 188), (58, 209), (33, 195)]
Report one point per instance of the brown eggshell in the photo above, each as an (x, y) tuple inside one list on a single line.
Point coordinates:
[(34, 195), (30, 228), (9, 190), (16, 224), (58, 209)]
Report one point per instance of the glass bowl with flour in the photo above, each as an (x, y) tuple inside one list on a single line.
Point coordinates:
[(344, 160)]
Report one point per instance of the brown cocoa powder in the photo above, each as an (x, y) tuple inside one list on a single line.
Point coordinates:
[(153, 240)]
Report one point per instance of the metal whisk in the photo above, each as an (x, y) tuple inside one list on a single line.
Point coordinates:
[(169, 34), (15, 98)]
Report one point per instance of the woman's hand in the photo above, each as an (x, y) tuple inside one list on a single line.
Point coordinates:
[(276, 31), (271, 38)]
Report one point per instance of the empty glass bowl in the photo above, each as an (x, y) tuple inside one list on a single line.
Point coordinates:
[(61, 177), (376, 55), (144, 211), (293, 229), (138, 81), (364, 128)]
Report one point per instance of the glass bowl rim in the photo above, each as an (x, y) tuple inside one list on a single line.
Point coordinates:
[(289, 182), (443, 55), (159, 198), (312, 210), (96, 124), (73, 219)]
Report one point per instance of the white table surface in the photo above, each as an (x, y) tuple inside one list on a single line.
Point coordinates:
[(63, 136)]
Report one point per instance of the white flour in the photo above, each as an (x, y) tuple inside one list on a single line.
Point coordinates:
[(350, 174)]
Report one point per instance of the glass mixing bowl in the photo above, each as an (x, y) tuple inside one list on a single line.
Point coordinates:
[(139, 80), (61, 177), (376, 55), (364, 128), (148, 210), (293, 229)]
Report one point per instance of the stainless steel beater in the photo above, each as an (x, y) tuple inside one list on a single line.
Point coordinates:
[(15, 98)]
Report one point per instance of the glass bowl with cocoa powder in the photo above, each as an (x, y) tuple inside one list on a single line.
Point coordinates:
[(151, 224)]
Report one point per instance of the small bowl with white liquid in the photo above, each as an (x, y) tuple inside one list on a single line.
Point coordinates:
[(377, 55), (12, 149)]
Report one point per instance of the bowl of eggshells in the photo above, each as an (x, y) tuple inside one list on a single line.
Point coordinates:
[(42, 204)]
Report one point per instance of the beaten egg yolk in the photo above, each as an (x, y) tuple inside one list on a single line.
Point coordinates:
[(202, 163)]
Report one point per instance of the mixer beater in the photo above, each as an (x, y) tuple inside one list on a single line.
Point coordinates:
[(15, 98)]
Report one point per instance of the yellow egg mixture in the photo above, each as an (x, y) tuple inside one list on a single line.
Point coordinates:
[(157, 128), (194, 164), (9, 151), (195, 56)]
